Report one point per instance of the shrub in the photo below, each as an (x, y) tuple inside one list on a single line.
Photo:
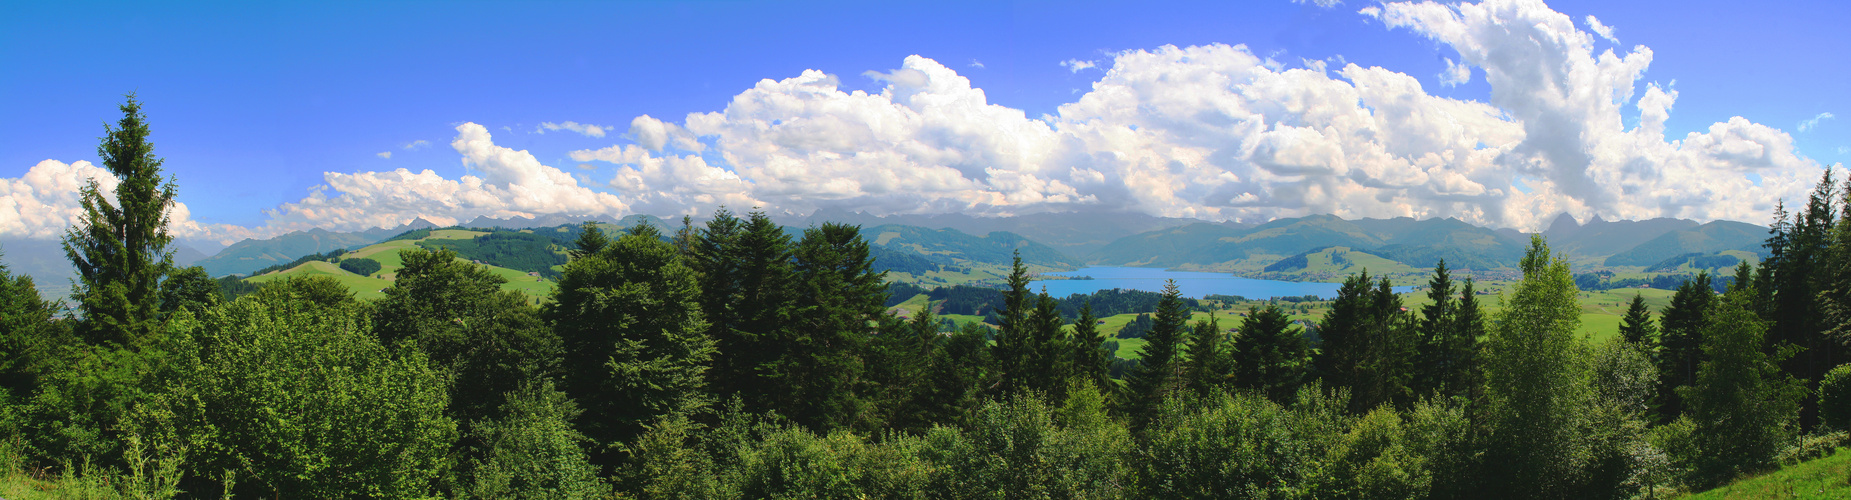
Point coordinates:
[(360, 265), (1835, 398)]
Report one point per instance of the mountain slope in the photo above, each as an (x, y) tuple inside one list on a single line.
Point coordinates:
[(250, 255), (1715, 236), (1418, 243), (1074, 234), (950, 246), (1602, 238)]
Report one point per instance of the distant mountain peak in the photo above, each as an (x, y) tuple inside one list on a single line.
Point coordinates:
[(1563, 224)]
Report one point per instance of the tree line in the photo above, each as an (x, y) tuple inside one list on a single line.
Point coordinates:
[(735, 360)]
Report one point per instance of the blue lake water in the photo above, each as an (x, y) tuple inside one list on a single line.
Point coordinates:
[(1192, 284)]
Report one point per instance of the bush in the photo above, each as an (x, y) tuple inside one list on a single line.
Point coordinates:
[(302, 399), (1835, 398), (360, 265)]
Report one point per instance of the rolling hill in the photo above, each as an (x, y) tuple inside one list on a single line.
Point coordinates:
[(387, 254), (1715, 236), (250, 255), (1417, 243)]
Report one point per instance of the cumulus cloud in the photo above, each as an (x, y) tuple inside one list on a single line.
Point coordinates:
[(417, 145), (1601, 29), (511, 183), (1814, 121), (384, 154), (47, 200), (1217, 132), (1211, 131), (586, 130)]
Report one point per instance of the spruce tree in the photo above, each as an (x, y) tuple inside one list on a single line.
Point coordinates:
[(590, 241), (1211, 367), (121, 247), (835, 295), (1013, 342), (1681, 342), (1743, 407), (1437, 330), (1637, 327), (1046, 362), (1156, 376), (1341, 338), (1270, 353), (1090, 360), (1469, 325)]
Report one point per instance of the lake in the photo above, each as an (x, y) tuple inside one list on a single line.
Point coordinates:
[(1192, 284)]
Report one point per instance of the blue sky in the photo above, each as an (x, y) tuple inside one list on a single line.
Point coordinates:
[(253, 105)]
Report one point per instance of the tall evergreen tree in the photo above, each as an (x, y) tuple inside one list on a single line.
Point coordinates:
[(1637, 327), (121, 248), (1797, 312), (1046, 361), (1535, 388), (1437, 330), (1342, 341), (590, 241), (746, 285), (1743, 407), (838, 297), (1014, 343), (1270, 353), (1211, 367), (1681, 342), (1158, 373), (1469, 325), (1090, 359)]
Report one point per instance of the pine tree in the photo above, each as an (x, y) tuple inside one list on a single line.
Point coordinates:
[(1013, 342), (121, 249), (1342, 341), (1637, 327), (1090, 360), (1211, 367), (1437, 330), (1271, 355), (1047, 367), (1745, 409), (837, 296), (1156, 376), (1681, 342), (590, 241), (1469, 325)]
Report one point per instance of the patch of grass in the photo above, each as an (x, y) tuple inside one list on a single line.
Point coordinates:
[(362, 286), (1819, 478)]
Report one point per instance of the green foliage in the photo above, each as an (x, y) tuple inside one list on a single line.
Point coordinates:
[(634, 339), (1090, 361), (1271, 353), (328, 256), (1159, 372), (1224, 446), (486, 339), (532, 451), (1535, 390), (1743, 406), (1369, 344), (360, 265), (1015, 341), (300, 398), (1835, 398), (1680, 347), (837, 297), (522, 251), (188, 288), (120, 248), (1637, 326), (1211, 365), (745, 276)]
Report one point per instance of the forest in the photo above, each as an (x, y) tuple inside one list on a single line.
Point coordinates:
[(735, 360)]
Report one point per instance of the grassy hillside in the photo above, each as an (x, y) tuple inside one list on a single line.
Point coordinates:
[(387, 254), (250, 255), (1715, 236), (1821, 478)]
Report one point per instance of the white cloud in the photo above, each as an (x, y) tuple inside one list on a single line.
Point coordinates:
[(511, 183), (586, 130), (976, 64), (1320, 3), (1601, 29), (1076, 65), (1455, 74), (47, 200), (1809, 124), (384, 154), (417, 145)]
